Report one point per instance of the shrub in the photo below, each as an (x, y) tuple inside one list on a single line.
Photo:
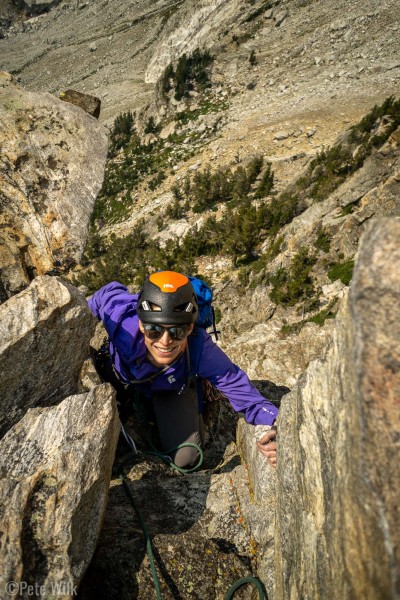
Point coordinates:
[(390, 108), (190, 70), (347, 210), (282, 211), (254, 168), (151, 126), (166, 78), (274, 247), (266, 184), (342, 271), (294, 284), (155, 182), (177, 210), (206, 189), (337, 165), (121, 132), (327, 313), (323, 241)]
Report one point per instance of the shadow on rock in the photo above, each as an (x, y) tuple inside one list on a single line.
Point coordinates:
[(199, 545)]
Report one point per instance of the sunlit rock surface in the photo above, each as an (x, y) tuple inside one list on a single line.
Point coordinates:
[(44, 338), (339, 438), (55, 467), (52, 167)]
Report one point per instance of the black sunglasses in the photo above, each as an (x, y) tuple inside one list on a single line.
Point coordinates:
[(155, 332)]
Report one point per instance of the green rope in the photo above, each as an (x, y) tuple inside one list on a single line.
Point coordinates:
[(147, 538), (167, 459), (128, 491), (241, 582)]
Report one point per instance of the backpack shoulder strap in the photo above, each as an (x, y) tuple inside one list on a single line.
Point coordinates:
[(195, 345)]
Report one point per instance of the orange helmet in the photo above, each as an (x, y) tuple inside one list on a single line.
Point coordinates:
[(167, 297)]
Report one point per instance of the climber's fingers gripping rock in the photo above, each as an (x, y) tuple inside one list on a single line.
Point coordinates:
[(267, 446)]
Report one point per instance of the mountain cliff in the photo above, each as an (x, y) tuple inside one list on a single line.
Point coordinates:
[(255, 143)]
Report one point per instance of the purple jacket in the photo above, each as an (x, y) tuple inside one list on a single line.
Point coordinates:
[(116, 307)]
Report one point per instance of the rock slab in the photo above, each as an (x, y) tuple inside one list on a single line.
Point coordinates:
[(52, 168), (338, 471), (55, 468), (45, 334)]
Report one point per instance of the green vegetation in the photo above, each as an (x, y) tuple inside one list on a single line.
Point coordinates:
[(389, 110), (331, 167), (151, 126), (236, 235), (274, 248), (255, 273), (252, 215), (129, 260), (329, 312), (130, 162), (177, 210), (218, 315), (205, 189), (155, 182), (191, 72), (347, 210), (206, 106), (342, 271), (294, 284), (327, 171), (266, 183), (323, 241), (122, 174), (323, 315), (121, 132)]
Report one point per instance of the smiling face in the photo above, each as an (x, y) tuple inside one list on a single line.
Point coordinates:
[(165, 350)]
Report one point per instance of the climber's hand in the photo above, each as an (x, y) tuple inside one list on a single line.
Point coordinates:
[(267, 446)]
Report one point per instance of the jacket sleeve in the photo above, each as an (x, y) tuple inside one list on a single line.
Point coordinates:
[(114, 305), (227, 377)]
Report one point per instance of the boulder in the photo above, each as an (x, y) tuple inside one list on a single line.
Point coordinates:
[(35, 7), (53, 157), (338, 471), (45, 335), (86, 102), (55, 467)]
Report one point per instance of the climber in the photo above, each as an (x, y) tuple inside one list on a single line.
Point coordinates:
[(156, 350)]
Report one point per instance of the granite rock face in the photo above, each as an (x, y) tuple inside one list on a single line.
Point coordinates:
[(45, 334), (55, 467), (195, 25), (53, 157), (339, 438)]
